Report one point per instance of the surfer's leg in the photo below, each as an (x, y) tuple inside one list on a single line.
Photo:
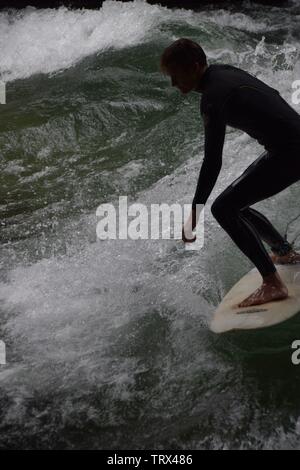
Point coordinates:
[(267, 176), (279, 245), (282, 251)]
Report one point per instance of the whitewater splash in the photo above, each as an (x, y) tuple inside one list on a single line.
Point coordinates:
[(107, 341), (46, 41)]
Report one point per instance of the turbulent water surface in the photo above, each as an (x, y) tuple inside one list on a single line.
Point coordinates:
[(107, 342)]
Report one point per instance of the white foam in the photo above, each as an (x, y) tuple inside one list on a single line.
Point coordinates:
[(44, 41), (238, 21)]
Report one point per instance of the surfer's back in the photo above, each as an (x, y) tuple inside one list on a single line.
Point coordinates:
[(247, 103)]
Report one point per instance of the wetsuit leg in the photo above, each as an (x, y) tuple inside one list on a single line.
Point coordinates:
[(268, 233), (266, 176)]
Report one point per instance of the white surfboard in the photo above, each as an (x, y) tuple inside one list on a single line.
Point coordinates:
[(230, 317)]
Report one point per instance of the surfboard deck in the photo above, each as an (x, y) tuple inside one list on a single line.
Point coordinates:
[(228, 317)]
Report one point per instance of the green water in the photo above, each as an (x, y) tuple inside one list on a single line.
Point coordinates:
[(108, 343)]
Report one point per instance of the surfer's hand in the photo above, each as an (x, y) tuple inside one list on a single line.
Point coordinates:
[(188, 227), (187, 235), (187, 230)]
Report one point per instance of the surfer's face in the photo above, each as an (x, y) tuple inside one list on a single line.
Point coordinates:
[(185, 79)]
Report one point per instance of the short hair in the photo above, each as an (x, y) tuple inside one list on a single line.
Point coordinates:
[(182, 53)]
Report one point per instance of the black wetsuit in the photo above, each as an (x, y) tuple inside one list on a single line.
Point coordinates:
[(234, 97)]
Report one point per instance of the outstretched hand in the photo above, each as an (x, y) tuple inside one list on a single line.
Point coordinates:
[(187, 230), (187, 237)]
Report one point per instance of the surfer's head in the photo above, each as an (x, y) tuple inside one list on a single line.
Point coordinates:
[(185, 62)]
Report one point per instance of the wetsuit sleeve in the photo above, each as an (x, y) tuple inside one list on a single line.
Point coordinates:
[(214, 131)]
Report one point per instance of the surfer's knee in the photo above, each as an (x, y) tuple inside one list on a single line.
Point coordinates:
[(223, 207), (216, 209)]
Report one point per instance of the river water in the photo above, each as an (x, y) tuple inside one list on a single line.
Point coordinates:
[(107, 342)]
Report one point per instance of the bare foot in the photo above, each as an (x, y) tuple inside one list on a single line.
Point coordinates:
[(292, 257), (271, 289)]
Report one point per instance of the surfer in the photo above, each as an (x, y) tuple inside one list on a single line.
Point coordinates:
[(232, 96)]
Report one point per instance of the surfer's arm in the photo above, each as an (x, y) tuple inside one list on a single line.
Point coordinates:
[(214, 128)]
